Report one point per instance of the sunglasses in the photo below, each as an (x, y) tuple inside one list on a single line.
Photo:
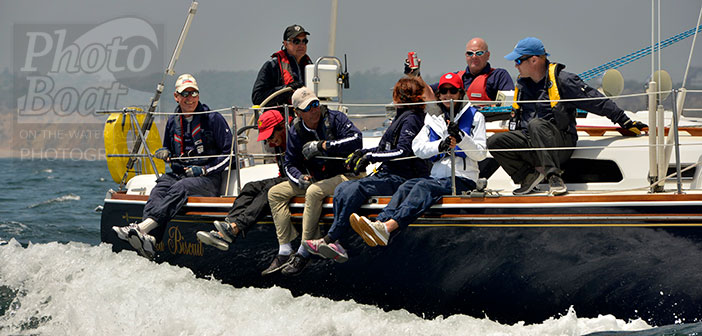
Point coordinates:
[(186, 94), (298, 41), (310, 106), (445, 90), (522, 59), (476, 53)]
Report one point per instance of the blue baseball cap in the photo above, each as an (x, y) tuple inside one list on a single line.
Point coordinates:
[(528, 46)]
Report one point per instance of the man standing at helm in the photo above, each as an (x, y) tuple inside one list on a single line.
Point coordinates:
[(285, 68)]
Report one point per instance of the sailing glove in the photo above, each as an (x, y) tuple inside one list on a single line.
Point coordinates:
[(312, 149), (162, 153), (411, 72), (361, 164), (445, 144), (352, 159), (454, 131), (635, 127), (304, 182), (195, 171)]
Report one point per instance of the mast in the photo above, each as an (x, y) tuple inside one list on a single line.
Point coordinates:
[(332, 27)]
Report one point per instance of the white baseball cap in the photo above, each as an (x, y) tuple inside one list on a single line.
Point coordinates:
[(185, 81), (303, 97)]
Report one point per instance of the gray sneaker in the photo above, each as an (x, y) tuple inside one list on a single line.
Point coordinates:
[(556, 185), (529, 184), (295, 266), (278, 263), (213, 238), (225, 228), (143, 243)]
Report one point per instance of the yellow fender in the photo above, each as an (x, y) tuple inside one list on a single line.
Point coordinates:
[(119, 128)]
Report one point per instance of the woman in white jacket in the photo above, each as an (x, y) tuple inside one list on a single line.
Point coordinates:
[(465, 133)]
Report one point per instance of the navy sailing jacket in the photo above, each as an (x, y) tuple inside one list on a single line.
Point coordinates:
[(342, 136), (396, 143), (569, 86), (207, 134)]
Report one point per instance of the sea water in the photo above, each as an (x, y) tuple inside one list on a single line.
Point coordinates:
[(56, 278)]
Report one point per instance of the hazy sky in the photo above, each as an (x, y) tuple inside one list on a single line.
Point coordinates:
[(376, 34)]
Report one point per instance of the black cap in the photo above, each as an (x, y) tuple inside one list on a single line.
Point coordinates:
[(293, 31)]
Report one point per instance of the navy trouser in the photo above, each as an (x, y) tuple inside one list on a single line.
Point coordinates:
[(171, 193), (417, 195), (350, 195), (252, 203)]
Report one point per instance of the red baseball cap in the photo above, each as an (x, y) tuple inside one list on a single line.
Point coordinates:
[(267, 122), (452, 79)]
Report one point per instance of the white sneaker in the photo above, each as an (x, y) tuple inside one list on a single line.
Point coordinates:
[(213, 238), (123, 231)]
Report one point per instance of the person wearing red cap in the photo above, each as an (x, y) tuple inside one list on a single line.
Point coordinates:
[(251, 205), (286, 67), (465, 133)]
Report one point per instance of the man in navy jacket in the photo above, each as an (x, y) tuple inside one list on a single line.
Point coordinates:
[(197, 145), (317, 131)]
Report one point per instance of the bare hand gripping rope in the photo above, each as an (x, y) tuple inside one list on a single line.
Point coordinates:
[(148, 120)]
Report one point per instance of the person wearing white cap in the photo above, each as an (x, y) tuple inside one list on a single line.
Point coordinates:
[(317, 131), (191, 144), (547, 124)]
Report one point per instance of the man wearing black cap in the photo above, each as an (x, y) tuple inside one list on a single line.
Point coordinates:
[(546, 124), (285, 68)]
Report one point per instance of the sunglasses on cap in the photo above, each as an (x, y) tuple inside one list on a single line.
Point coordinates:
[(186, 94), (522, 59), (476, 53), (445, 90), (314, 103), (297, 41)]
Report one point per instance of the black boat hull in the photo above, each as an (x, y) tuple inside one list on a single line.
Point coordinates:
[(508, 265)]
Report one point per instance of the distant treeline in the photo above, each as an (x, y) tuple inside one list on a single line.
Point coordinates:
[(222, 89)]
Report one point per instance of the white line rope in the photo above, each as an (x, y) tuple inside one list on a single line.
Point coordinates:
[(477, 103), (459, 151)]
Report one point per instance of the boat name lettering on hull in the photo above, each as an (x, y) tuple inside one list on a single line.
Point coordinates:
[(178, 245)]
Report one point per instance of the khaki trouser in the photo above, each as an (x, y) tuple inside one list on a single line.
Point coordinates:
[(279, 196)]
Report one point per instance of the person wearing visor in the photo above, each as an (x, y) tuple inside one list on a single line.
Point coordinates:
[(188, 140), (285, 68), (251, 205), (317, 131), (546, 124)]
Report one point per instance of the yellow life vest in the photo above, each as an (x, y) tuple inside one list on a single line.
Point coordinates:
[(552, 85), (117, 130)]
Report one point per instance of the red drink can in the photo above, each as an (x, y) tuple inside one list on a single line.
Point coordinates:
[(413, 60)]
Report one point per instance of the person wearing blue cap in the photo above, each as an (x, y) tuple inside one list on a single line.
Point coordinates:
[(546, 124)]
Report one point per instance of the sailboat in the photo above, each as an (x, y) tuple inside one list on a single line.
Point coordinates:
[(626, 239)]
